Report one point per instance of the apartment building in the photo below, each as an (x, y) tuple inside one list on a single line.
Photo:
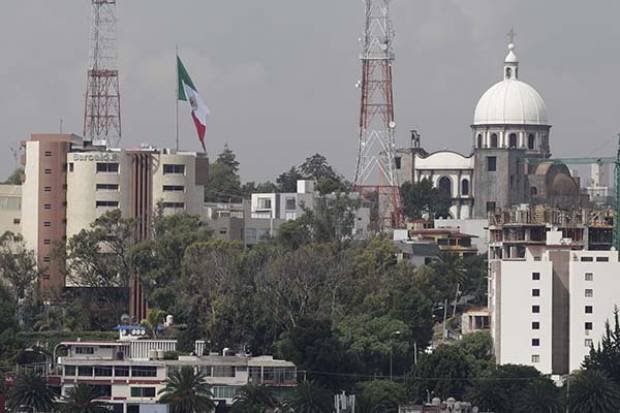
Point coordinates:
[(10, 208), (129, 373), (549, 294)]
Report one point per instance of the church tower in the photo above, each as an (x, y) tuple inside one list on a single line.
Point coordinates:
[(510, 123)]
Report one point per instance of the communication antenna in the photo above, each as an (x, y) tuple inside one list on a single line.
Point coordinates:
[(102, 113), (376, 159)]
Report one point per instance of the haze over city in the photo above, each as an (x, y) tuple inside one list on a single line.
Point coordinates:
[(279, 76)]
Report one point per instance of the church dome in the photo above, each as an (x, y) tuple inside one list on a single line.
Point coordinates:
[(511, 101)]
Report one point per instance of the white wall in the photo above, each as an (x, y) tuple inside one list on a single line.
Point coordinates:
[(516, 315), (605, 286), (30, 197)]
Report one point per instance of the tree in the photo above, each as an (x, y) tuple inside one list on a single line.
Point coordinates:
[(592, 391), (380, 396), (81, 399), (18, 265), (287, 181), (327, 180), (16, 178), (478, 348), (253, 398), (224, 184), (422, 200), (606, 357), (30, 390), (309, 397), (445, 373), (186, 391), (539, 396), (154, 318)]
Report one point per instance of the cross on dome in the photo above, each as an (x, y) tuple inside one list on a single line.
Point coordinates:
[(511, 66)]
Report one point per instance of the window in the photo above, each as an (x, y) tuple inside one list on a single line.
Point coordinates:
[(85, 371), (589, 276), (206, 370), (107, 167), (106, 204), (535, 309), (508, 73), (47, 241), (174, 169), (588, 342), (48, 153), (224, 392), (174, 188), (47, 224), (491, 163), (70, 370), (70, 166), (291, 204), (535, 292), (535, 276), (107, 187), (465, 187), (480, 140), (121, 371), (47, 206), (535, 325), (535, 358), (48, 171), (143, 371), (445, 185), (512, 140), (602, 259), (223, 371), (535, 342), (143, 392), (103, 371), (490, 207), (174, 205), (47, 189), (264, 203), (588, 325), (587, 259), (17, 221), (494, 140), (589, 293), (46, 259), (530, 141), (397, 162), (588, 309), (533, 191), (84, 350)]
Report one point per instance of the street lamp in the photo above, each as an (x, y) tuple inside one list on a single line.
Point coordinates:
[(397, 334)]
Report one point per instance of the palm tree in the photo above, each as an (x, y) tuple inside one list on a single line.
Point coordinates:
[(591, 391), (309, 397), (186, 391), (30, 391), (254, 398), (81, 399), (540, 396), (365, 404)]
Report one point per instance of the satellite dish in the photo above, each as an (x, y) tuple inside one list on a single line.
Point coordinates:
[(392, 124)]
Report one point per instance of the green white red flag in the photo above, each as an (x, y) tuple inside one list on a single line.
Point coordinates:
[(188, 93)]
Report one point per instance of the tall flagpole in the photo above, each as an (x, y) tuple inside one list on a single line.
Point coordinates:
[(176, 98)]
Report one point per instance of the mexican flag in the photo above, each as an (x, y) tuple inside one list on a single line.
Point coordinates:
[(188, 93)]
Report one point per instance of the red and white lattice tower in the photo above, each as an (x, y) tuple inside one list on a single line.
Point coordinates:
[(376, 165), (102, 113)]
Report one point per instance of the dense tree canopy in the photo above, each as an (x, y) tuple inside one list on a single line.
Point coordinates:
[(422, 200)]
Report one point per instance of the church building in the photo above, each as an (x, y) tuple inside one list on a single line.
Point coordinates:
[(510, 161)]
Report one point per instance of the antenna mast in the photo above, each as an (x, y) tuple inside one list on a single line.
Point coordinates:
[(377, 142), (102, 113)]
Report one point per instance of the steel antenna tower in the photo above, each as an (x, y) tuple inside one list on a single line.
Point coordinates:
[(102, 113), (376, 165)]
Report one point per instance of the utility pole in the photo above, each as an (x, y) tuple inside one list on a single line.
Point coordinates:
[(377, 142), (102, 111)]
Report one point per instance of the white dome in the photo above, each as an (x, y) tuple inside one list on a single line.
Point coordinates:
[(511, 102)]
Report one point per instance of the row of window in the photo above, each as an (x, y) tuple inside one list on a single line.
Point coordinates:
[(598, 259), (106, 204), (109, 371), (113, 167), (512, 141), (588, 276)]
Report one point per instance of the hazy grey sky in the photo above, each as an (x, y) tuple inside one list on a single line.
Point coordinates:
[(279, 75)]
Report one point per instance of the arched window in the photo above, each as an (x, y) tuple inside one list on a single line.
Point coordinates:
[(445, 185), (530, 141), (465, 187), (479, 140), (494, 140), (512, 140), (508, 73)]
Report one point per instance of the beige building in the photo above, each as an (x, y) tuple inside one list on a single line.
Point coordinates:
[(10, 208)]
